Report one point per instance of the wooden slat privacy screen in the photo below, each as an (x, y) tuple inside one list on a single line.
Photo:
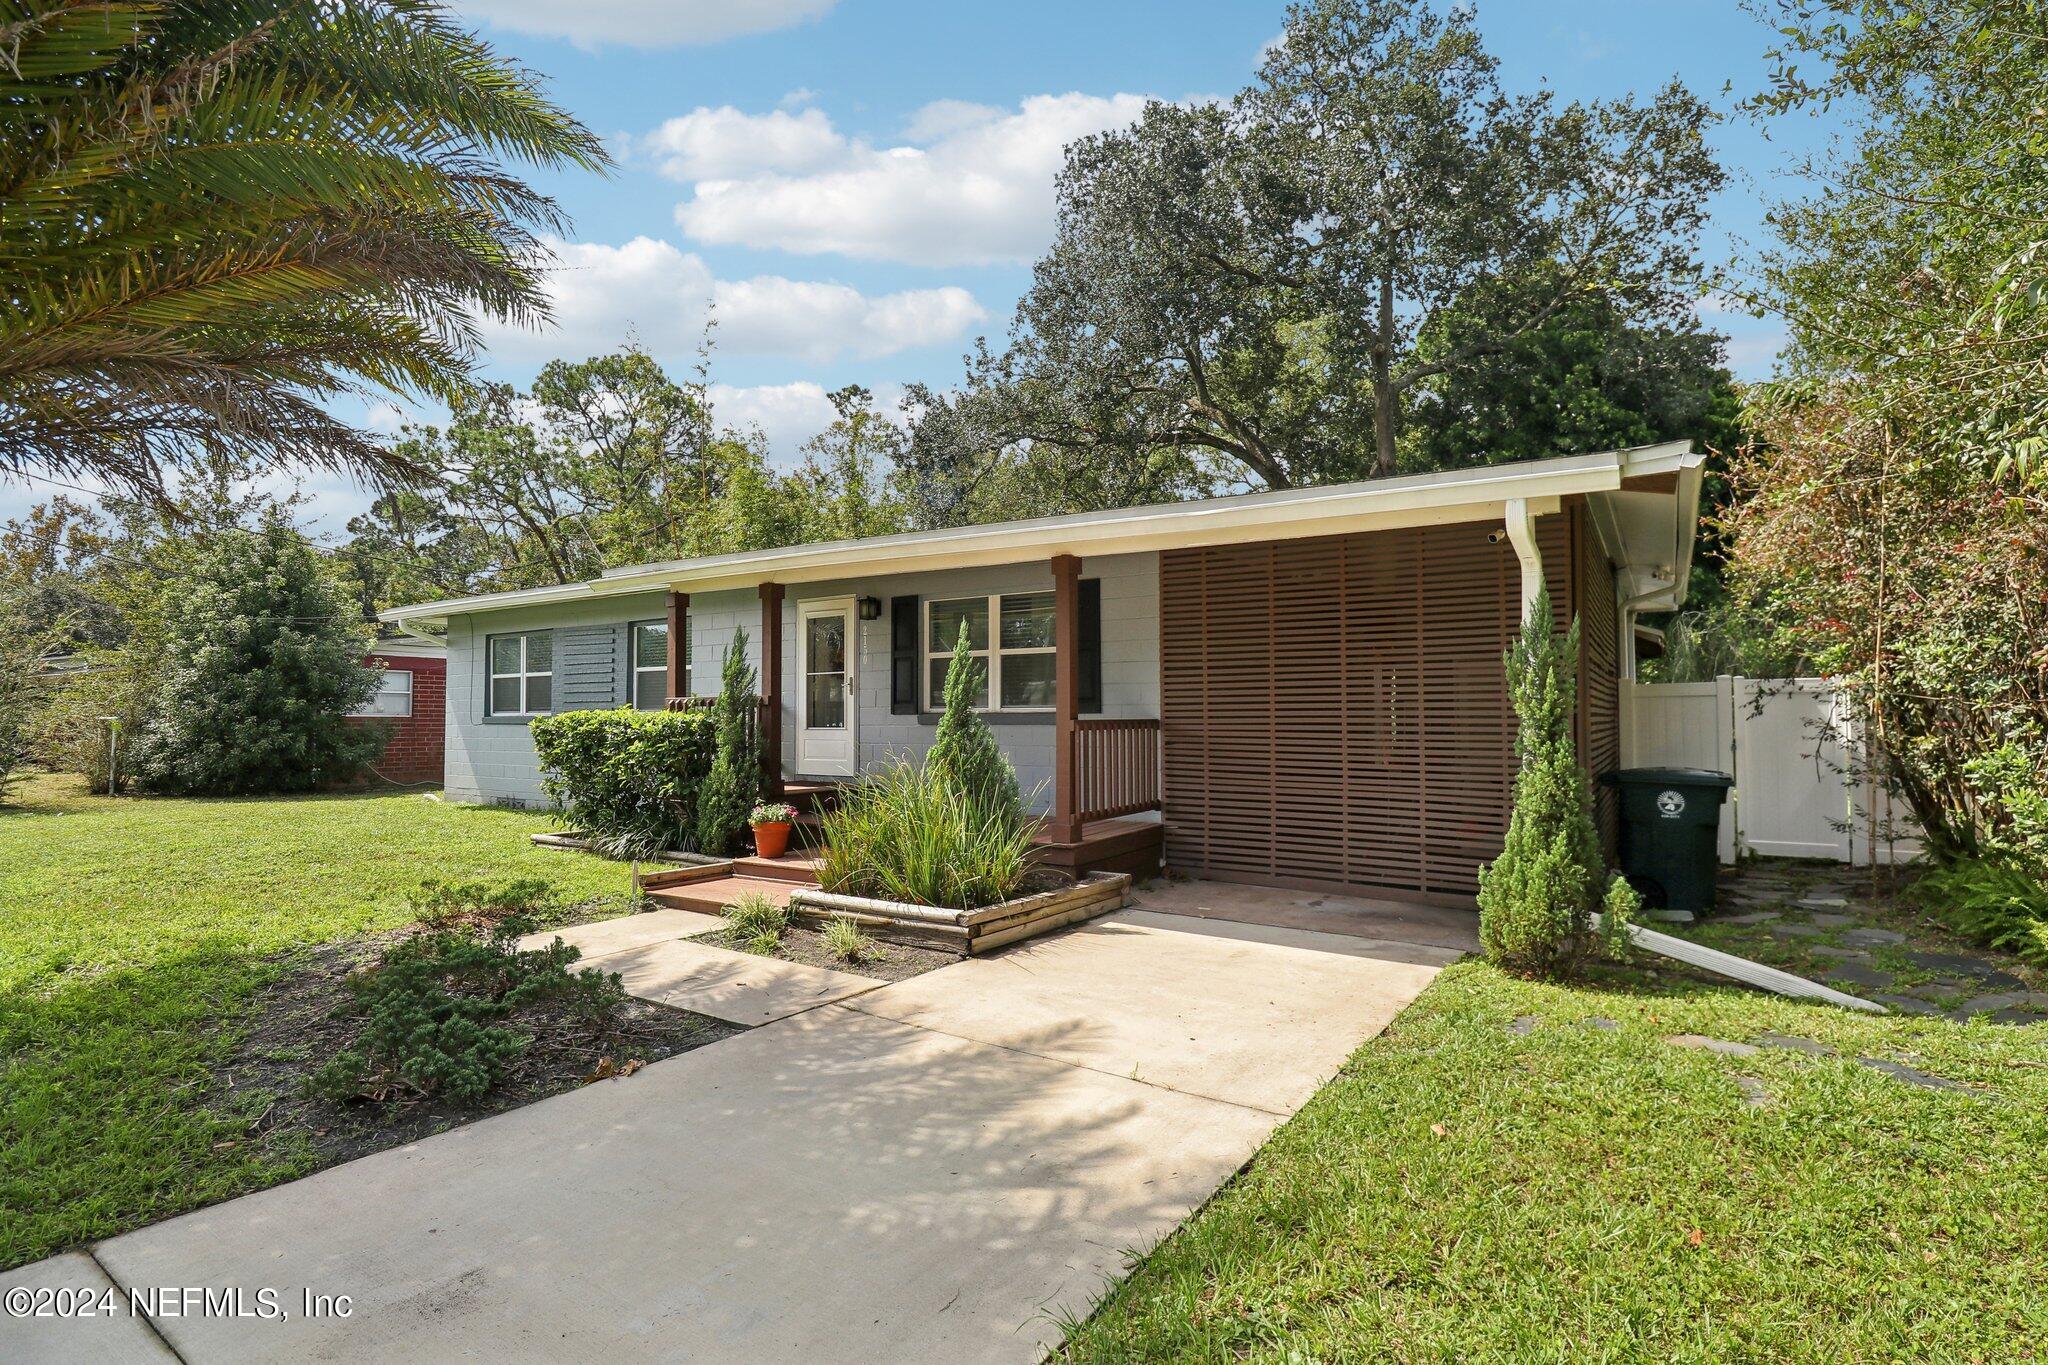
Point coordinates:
[(1599, 677), (1334, 710)]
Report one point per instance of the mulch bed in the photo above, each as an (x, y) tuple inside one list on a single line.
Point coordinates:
[(885, 961), (301, 1020)]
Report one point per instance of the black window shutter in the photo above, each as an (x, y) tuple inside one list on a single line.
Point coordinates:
[(903, 661), (1091, 643)]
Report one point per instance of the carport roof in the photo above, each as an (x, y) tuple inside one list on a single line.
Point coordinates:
[(1645, 499)]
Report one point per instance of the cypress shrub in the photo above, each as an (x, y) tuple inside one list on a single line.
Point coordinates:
[(734, 782), (1538, 900), (964, 755)]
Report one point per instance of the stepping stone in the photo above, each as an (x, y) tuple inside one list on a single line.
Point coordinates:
[(1856, 974), (1962, 963), (1823, 900), (1902, 1004), (1672, 916), (1706, 1044), (1524, 1026), (2018, 1016), (1873, 938), (1753, 1093), (1604, 1025), (1795, 931), (1792, 1043), (1829, 950), (1912, 1076), (2025, 1001), (1827, 921), (1753, 917)]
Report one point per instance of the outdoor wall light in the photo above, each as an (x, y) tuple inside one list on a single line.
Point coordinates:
[(870, 608)]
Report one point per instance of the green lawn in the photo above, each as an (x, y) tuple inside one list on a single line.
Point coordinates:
[(134, 933), (1463, 1192)]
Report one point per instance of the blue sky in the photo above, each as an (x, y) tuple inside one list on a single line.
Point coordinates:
[(860, 185)]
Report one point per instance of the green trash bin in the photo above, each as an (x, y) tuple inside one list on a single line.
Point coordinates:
[(1670, 818)]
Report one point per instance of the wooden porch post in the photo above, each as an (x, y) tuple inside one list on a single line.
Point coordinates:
[(771, 690), (1065, 827), (678, 644)]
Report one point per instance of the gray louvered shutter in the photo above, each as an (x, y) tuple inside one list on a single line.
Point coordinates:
[(588, 674)]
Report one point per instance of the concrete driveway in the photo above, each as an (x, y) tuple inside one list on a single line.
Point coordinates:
[(940, 1169)]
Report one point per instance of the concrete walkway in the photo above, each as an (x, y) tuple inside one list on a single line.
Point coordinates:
[(940, 1169)]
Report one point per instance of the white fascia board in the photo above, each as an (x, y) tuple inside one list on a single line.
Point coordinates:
[(1440, 498)]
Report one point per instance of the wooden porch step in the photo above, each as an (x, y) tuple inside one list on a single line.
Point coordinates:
[(713, 896), (791, 867)]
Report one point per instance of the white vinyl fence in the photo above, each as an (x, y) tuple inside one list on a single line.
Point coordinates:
[(1794, 752)]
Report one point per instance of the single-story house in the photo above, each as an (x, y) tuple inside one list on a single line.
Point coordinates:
[(410, 706), (1300, 687)]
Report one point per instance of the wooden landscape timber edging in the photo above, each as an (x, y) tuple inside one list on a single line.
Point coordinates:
[(973, 931), (574, 841)]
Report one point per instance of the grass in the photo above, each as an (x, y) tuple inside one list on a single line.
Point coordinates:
[(134, 935), (1465, 1192)]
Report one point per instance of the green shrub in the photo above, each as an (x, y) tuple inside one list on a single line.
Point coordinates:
[(753, 916), (441, 1010), (438, 904), (1538, 899), (627, 779), (845, 941), (907, 834), (1993, 901), (262, 661), (964, 752), (734, 781)]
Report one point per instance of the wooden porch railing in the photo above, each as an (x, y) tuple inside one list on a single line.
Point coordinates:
[(1116, 768), (706, 703)]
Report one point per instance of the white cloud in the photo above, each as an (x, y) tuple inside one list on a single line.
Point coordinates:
[(644, 23), (972, 185), (787, 414), (655, 293), (722, 143)]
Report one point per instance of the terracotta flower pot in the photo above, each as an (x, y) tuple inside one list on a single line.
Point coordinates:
[(771, 839)]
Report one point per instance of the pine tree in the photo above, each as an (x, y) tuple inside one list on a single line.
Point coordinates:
[(964, 753), (730, 788), (263, 657), (1538, 899)]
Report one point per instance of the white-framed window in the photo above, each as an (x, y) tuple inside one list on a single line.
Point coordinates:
[(1018, 657), (394, 695), (522, 674), (650, 666)]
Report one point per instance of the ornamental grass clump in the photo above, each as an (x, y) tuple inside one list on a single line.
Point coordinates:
[(906, 834), (1547, 902), (757, 922), (949, 832)]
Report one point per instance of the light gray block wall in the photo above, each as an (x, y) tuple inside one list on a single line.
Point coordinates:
[(491, 759)]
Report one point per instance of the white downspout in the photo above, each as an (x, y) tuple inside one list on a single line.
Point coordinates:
[(1522, 535)]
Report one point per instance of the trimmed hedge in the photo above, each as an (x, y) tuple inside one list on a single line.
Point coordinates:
[(627, 779)]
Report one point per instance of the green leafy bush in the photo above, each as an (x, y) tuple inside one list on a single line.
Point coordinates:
[(627, 779), (845, 941), (908, 834), (753, 916), (263, 659), (1538, 899), (1994, 901), (734, 781), (441, 1010), (964, 752)]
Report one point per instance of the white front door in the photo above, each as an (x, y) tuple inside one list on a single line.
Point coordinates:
[(826, 702)]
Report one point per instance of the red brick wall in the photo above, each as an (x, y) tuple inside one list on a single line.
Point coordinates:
[(414, 752)]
